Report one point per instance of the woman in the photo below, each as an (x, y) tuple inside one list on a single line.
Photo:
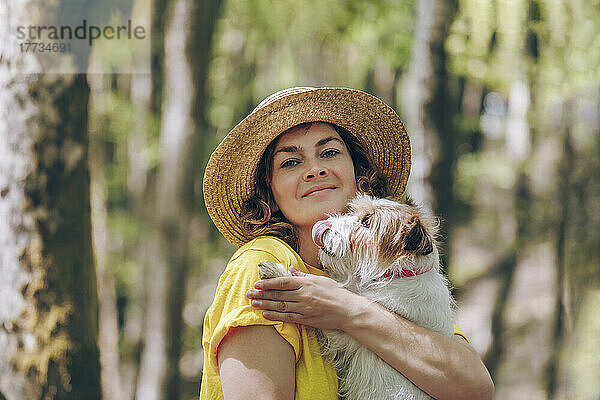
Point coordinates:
[(303, 153)]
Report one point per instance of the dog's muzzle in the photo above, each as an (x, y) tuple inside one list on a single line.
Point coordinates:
[(319, 230)]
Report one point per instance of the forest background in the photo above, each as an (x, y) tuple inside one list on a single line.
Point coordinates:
[(109, 261)]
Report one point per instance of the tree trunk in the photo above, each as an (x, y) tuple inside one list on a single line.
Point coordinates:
[(440, 113), (108, 324), (415, 94), (564, 186), (48, 303), (577, 251), (517, 131), (150, 376), (183, 124), (430, 100)]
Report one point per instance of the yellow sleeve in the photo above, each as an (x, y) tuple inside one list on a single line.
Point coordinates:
[(231, 308), (459, 332)]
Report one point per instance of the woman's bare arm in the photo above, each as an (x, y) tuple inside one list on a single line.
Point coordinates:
[(255, 362), (445, 368)]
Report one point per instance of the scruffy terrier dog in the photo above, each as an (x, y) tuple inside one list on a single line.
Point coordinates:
[(385, 251)]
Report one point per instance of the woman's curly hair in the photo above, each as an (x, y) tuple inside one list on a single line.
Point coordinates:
[(258, 219)]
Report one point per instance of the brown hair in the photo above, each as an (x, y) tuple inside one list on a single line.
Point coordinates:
[(258, 219)]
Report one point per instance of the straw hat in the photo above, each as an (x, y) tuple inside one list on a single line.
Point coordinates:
[(229, 174)]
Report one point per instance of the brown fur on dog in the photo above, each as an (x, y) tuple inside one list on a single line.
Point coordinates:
[(398, 237)]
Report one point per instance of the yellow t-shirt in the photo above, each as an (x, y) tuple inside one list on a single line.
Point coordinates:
[(315, 377), (459, 332)]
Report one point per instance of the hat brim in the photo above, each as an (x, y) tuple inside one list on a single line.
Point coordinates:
[(229, 174)]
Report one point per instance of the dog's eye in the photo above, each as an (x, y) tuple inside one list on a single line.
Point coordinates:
[(366, 221)]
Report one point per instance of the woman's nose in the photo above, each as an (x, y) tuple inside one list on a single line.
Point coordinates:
[(314, 172)]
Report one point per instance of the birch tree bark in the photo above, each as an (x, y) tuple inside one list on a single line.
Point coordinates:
[(17, 229)]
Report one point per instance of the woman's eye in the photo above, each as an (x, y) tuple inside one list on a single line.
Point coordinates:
[(289, 163), (329, 153), (366, 221)]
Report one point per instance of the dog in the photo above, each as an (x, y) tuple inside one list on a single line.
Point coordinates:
[(386, 251)]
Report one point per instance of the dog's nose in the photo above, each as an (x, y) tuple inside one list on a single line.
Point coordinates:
[(319, 230)]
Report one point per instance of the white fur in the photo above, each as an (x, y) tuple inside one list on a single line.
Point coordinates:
[(423, 299)]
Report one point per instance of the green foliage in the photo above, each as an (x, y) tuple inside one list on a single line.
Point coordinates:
[(552, 46), (112, 119), (489, 43), (265, 46)]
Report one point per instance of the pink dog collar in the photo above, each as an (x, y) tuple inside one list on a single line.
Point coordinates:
[(404, 273)]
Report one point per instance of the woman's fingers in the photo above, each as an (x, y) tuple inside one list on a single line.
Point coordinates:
[(285, 317), (278, 295), (318, 301), (309, 300), (280, 306), (297, 272), (283, 283)]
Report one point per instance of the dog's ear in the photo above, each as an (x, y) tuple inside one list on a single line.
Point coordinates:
[(416, 238)]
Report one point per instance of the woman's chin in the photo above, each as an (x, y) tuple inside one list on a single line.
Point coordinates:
[(322, 209), (328, 202)]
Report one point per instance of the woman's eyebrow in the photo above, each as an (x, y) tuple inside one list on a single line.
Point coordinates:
[(296, 149), (287, 149), (328, 139)]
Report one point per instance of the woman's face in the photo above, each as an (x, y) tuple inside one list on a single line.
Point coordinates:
[(313, 174)]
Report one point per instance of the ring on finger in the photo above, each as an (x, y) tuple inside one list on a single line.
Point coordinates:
[(282, 306)]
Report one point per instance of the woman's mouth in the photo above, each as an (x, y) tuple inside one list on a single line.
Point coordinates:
[(319, 189)]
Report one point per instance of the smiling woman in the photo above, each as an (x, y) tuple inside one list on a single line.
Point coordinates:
[(300, 155), (313, 175), (260, 212)]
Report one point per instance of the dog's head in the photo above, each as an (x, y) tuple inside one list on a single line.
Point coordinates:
[(377, 235)]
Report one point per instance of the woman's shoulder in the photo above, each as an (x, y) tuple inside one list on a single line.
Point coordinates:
[(267, 247), (241, 271)]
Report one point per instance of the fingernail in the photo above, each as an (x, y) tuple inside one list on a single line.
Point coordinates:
[(251, 293), (255, 303), (258, 285)]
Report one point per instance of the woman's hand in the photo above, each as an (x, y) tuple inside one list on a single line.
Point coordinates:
[(304, 299), (445, 368)]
